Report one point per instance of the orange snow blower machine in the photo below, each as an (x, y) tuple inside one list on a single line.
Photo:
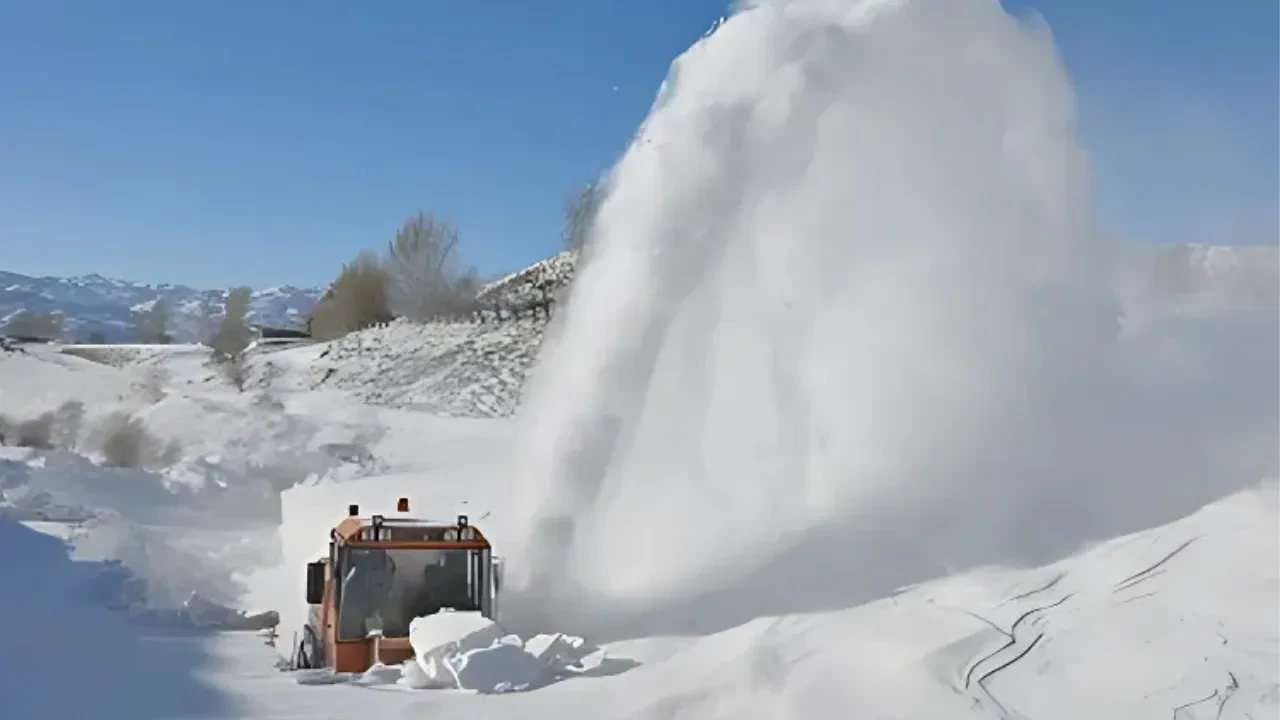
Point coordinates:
[(381, 573)]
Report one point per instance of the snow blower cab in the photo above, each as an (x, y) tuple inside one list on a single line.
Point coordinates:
[(381, 573)]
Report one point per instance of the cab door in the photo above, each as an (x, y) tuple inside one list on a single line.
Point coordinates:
[(495, 586)]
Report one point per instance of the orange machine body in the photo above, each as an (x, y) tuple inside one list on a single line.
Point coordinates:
[(356, 655)]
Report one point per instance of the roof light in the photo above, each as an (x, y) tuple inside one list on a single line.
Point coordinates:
[(402, 505), (353, 510)]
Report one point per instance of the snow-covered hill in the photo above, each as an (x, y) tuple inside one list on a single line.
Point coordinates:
[(93, 304), (461, 369)]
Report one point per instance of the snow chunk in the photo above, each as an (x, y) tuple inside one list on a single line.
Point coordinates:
[(466, 651)]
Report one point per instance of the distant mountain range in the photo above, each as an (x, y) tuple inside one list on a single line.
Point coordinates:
[(92, 304)]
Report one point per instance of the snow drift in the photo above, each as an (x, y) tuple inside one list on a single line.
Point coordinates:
[(53, 604), (849, 323)]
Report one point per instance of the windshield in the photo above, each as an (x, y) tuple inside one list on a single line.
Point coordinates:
[(386, 589)]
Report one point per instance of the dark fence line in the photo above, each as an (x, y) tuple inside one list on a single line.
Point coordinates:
[(486, 313), (501, 312)]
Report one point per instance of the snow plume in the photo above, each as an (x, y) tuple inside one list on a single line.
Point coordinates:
[(849, 325)]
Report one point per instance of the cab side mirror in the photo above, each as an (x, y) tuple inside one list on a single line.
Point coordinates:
[(315, 582)]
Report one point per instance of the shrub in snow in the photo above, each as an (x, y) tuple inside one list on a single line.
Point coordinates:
[(60, 428), (357, 299), (34, 433), (68, 421), (127, 443), (151, 386)]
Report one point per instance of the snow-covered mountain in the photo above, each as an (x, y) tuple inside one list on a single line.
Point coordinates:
[(93, 304)]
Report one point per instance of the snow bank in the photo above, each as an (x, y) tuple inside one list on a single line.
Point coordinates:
[(1139, 628), (62, 655), (40, 379), (123, 356), (170, 539), (76, 488)]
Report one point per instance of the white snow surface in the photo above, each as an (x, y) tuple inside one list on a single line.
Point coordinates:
[(465, 369), (903, 465), (1178, 616)]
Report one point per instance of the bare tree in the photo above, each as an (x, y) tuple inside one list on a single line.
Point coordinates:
[(233, 334), (580, 215), (355, 300), (150, 326), (45, 326), (423, 277)]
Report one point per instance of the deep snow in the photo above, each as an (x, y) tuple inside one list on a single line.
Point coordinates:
[(908, 463), (1132, 628), (1117, 641)]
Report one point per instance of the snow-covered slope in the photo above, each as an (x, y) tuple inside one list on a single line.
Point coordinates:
[(94, 304), (475, 367), (460, 369)]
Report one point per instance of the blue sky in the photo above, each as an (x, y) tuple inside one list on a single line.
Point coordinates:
[(250, 141)]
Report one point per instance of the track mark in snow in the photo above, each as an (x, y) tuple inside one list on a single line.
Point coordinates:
[(1021, 654), (1222, 695), (1126, 601), (1139, 581), (1183, 712), (1047, 586), (1149, 571), (1014, 642)]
